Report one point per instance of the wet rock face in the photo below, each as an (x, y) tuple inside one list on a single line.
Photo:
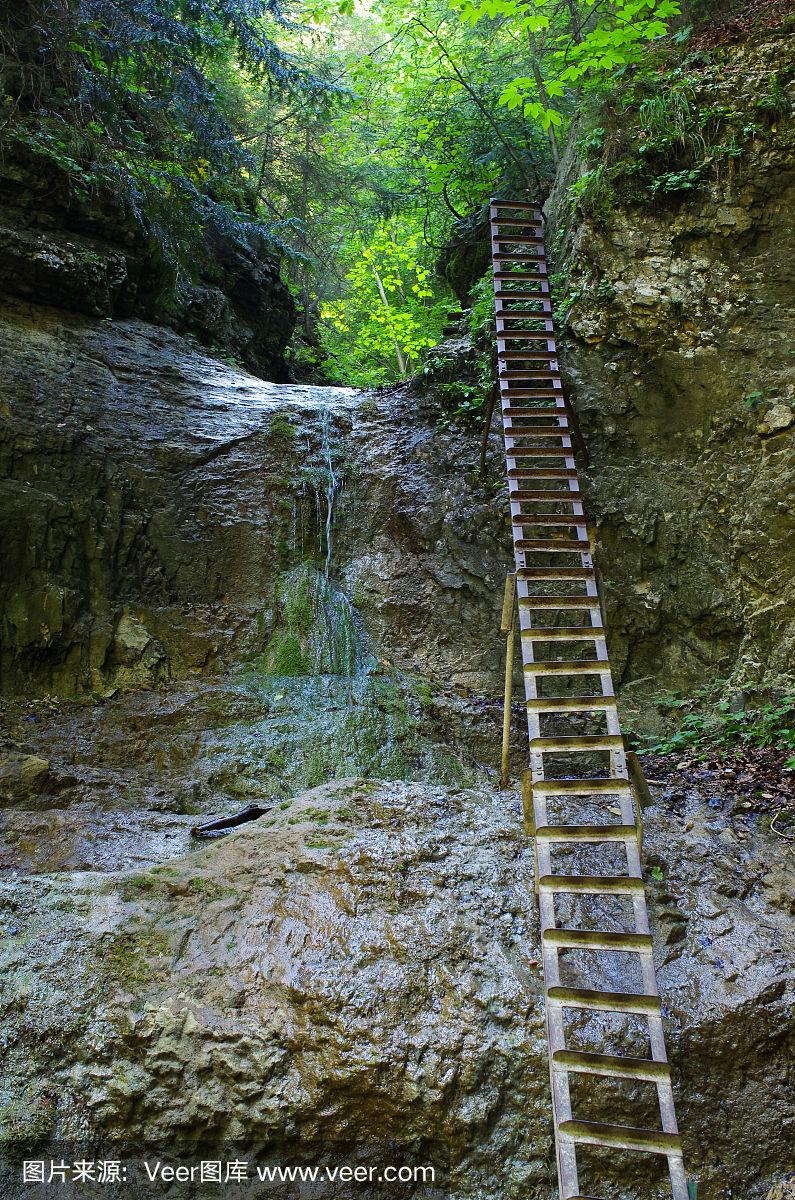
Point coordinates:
[(680, 372), (153, 499), (88, 256), (349, 979), (355, 977)]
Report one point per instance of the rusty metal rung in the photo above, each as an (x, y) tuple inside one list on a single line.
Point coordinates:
[(622, 1137), (537, 431), (592, 885), (555, 545), (562, 666), (515, 452), (585, 833), (532, 495), (553, 704), (530, 387), (596, 939), (617, 1066), (638, 1004), (582, 787), (539, 602), (571, 743), (571, 573), (565, 633), (524, 335)]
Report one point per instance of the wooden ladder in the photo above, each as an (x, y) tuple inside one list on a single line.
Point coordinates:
[(564, 650)]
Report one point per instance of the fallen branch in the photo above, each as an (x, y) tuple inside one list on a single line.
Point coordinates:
[(250, 813)]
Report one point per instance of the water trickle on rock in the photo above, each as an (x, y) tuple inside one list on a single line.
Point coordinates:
[(316, 629), (332, 483)]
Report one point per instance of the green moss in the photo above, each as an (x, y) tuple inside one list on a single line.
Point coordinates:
[(150, 885), (316, 772), (210, 889), (285, 656), (26, 1121), (317, 843), (135, 958), (316, 814), (282, 428), (315, 630)]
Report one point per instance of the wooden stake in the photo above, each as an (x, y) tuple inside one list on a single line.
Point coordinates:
[(507, 627)]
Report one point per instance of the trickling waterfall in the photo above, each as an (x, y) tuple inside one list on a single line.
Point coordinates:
[(317, 631), (332, 482), (321, 481)]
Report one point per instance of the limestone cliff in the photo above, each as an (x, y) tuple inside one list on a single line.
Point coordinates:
[(87, 255), (152, 498), (678, 363)]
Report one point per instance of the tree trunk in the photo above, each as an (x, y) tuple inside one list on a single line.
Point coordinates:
[(401, 360)]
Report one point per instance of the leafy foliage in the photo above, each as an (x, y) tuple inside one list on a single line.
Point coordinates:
[(771, 724), (389, 313), (126, 100), (654, 137), (571, 44)]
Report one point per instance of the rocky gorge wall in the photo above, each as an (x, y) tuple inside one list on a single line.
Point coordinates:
[(676, 345), (221, 592), (153, 497), (88, 255)]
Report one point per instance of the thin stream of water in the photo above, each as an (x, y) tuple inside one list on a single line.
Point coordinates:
[(332, 483)]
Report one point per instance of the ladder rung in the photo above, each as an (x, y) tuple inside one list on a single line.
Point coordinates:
[(561, 602), (526, 296), (545, 391), (536, 603), (621, 1137), (542, 473), (530, 495), (540, 452), (526, 355), (539, 274), (581, 787), (585, 1062), (527, 373), (536, 379), (592, 885), (596, 939), (571, 573), (539, 431), (559, 411), (523, 204), (515, 239), (543, 314), (584, 833), (557, 666), (565, 633), (554, 704), (566, 743), (555, 545), (524, 335), (510, 256), (536, 519), (638, 1004)]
